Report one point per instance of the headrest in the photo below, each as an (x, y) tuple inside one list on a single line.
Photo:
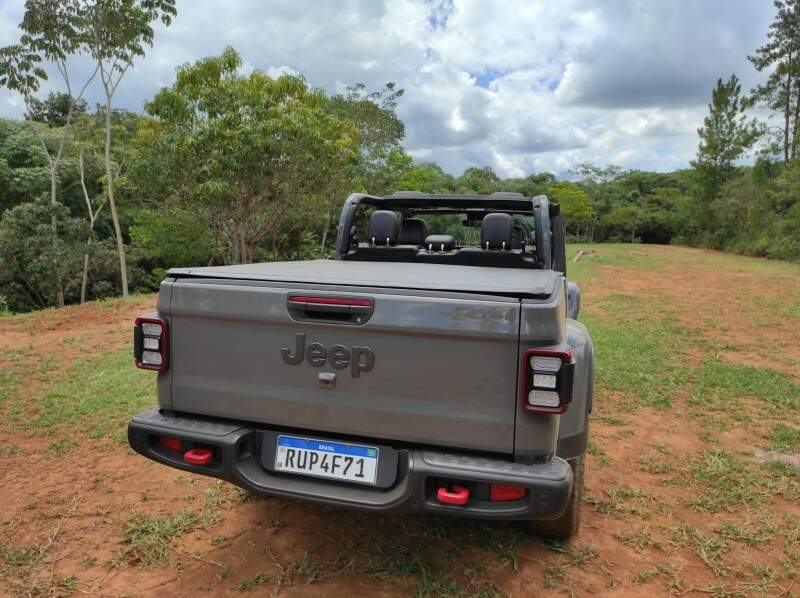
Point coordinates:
[(413, 231), (496, 231), (384, 228), (439, 242), (517, 238)]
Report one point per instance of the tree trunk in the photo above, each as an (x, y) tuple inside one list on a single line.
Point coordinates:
[(85, 268), (786, 114), (54, 226), (123, 266), (795, 124)]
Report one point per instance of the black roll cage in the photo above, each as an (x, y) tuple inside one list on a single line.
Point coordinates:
[(549, 233)]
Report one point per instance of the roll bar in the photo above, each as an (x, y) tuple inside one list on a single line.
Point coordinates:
[(548, 222)]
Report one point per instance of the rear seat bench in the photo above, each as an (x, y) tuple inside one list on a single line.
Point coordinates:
[(502, 244)]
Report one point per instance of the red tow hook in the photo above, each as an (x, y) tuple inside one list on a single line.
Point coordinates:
[(459, 495), (198, 456)]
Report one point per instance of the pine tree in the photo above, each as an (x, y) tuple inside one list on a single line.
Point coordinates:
[(725, 136), (780, 56)]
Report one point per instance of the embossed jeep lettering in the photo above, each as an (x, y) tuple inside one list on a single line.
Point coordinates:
[(360, 359)]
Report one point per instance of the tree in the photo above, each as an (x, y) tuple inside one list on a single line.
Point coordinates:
[(625, 219), (116, 32), (93, 211), (574, 203), (425, 177), (251, 154), (380, 132), (51, 31), (27, 252), (725, 136), (54, 111), (591, 174), (780, 56), (477, 180)]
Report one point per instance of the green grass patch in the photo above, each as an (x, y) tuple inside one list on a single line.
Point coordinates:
[(719, 384), (785, 438), (149, 540), (638, 349), (728, 483), (621, 500), (96, 396)]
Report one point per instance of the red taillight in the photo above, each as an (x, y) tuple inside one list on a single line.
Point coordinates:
[(545, 380), (151, 343), (169, 443), (506, 492)]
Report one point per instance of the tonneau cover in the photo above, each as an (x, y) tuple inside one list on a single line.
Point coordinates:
[(516, 282)]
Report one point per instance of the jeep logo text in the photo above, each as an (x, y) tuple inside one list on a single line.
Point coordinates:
[(359, 359)]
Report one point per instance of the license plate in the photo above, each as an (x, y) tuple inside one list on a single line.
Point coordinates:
[(326, 459)]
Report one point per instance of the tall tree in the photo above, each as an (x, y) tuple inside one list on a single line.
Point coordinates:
[(115, 33), (574, 202), (725, 136), (51, 32), (251, 153), (780, 56)]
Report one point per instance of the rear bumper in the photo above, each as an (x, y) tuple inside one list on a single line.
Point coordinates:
[(236, 448)]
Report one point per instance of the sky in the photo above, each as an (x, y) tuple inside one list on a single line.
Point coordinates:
[(523, 86)]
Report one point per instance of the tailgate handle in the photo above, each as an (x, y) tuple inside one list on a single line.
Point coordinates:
[(342, 310)]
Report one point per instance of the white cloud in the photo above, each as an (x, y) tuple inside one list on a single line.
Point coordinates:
[(519, 85)]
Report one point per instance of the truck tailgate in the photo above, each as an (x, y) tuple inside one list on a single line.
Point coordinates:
[(444, 372)]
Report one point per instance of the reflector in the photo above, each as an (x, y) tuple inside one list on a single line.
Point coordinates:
[(505, 492), (169, 443)]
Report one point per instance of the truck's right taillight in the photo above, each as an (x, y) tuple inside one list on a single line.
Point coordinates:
[(546, 380), (151, 343)]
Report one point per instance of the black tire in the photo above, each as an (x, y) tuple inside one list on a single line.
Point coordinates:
[(567, 524)]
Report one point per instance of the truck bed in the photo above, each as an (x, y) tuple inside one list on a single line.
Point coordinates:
[(512, 282)]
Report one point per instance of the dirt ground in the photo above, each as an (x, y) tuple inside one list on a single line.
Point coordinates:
[(63, 515)]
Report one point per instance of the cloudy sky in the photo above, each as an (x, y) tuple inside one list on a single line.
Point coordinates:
[(519, 85)]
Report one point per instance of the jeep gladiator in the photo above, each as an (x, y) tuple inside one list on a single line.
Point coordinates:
[(434, 365)]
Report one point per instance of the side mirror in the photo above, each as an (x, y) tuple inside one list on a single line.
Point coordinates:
[(573, 300)]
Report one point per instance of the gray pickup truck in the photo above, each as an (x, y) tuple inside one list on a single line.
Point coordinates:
[(435, 365)]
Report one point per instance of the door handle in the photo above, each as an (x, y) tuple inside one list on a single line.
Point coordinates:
[(342, 310)]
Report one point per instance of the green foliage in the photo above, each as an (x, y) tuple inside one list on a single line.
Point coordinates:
[(250, 153), (574, 202), (170, 237), (28, 253), (54, 110), (780, 93), (724, 137)]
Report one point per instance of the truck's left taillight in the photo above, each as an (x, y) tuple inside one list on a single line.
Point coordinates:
[(151, 343)]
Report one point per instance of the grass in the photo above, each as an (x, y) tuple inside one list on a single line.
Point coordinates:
[(646, 338), (720, 384), (785, 438), (621, 500), (729, 483), (96, 396), (149, 540)]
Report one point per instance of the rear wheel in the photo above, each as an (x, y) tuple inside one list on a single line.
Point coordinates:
[(567, 524)]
